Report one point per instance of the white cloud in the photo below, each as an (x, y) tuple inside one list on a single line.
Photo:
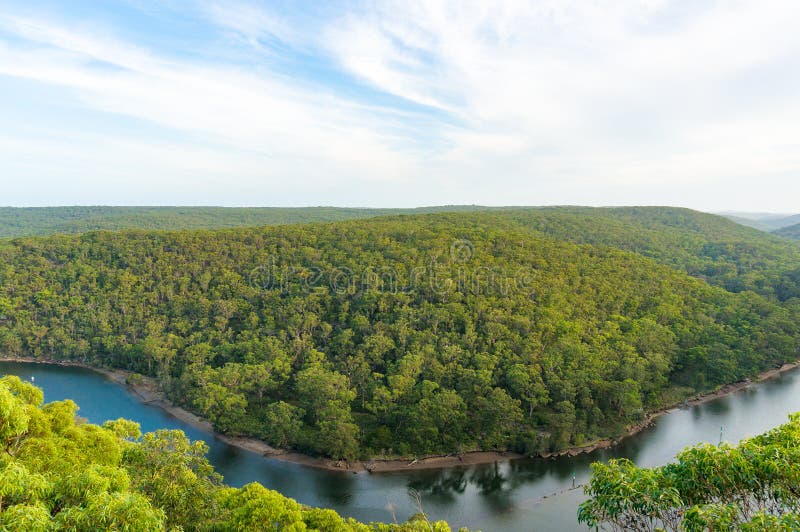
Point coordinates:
[(582, 77), (214, 102), (545, 100)]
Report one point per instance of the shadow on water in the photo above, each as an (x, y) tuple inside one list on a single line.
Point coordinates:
[(336, 489)]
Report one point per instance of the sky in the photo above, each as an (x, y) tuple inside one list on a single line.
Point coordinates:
[(405, 103)]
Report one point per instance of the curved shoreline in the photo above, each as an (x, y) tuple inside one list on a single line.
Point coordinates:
[(148, 392), (694, 400)]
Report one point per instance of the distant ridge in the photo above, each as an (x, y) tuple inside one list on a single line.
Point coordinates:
[(793, 232), (748, 222), (37, 221), (763, 221)]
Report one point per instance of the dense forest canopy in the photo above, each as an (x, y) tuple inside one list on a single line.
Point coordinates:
[(751, 487), (58, 473), (531, 330), (703, 245)]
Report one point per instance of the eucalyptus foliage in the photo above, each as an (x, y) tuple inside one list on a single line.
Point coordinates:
[(57, 473), (752, 486)]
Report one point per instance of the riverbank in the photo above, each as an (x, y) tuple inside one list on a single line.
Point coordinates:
[(148, 392), (694, 400)]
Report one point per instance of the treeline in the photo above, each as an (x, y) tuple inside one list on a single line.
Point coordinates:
[(751, 487), (393, 336), (59, 474), (30, 221)]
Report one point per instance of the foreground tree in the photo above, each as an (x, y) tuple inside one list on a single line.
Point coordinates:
[(752, 486), (58, 474)]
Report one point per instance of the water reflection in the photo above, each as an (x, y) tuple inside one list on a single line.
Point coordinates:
[(440, 485), (489, 479), (494, 486)]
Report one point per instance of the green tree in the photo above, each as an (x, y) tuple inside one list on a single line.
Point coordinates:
[(78, 476), (282, 423), (752, 486)]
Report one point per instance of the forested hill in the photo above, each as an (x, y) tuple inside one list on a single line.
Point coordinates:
[(411, 335), (793, 232), (31, 221), (704, 245)]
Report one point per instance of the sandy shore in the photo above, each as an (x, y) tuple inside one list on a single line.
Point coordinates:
[(148, 391)]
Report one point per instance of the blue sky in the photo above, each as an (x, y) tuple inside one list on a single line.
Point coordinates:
[(401, 103)]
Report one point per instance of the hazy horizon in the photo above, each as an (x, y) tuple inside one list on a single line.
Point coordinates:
[(754, 214), (722, 211)]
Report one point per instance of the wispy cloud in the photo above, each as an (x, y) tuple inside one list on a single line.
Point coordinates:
[(214, 102), (445, 101)]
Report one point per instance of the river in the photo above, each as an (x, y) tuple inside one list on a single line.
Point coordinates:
[(507, 496)]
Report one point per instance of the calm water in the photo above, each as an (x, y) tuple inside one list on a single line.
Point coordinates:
[(507, 496)]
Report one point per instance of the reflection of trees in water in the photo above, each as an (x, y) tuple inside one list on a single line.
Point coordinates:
[(493, 486), (442, 487), (489, 479), (523, 472), (630, 448), (497, 482), (445, 486), (530, 471), (222, 454)]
